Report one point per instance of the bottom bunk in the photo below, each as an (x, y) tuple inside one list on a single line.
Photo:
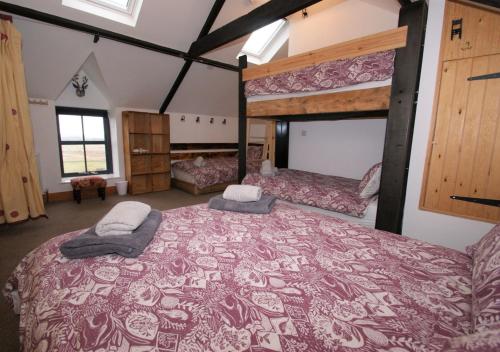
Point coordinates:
[(350, 199)]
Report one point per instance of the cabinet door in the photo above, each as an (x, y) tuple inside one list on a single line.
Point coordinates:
[(464, 156), (477, 32)]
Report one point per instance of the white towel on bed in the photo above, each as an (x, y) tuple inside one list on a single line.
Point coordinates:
[(242, 193), (199, 162), (123, 219)]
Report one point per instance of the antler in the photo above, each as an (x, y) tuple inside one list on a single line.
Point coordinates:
[(75, 79), (85, 82)]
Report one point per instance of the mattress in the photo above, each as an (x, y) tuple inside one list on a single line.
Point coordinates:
[(368, 220), (366, 85), (219, 281), (334, 193)]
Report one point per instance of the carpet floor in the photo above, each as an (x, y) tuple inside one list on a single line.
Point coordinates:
[(18, 240)]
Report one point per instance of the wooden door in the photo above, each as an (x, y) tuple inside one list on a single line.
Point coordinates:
[(465, 150)]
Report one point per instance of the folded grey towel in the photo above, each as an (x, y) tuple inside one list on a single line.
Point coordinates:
[(262, 206), (89, 244)]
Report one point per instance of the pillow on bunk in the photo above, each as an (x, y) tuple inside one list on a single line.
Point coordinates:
[(254, 152), (486, 282), (370, 182)]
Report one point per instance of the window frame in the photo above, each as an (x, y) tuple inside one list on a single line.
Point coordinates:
[(61, 110)]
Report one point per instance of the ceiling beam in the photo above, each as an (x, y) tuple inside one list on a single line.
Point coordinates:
[(212, 16), (405, 2), (260, 17), (103, 33)]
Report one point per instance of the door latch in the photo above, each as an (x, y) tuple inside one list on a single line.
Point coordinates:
[(456, 28)]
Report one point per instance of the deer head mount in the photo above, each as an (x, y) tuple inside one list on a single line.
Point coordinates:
[(80, 87)]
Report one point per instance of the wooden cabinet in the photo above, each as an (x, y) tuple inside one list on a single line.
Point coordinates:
[(464, 152), (146, 146)]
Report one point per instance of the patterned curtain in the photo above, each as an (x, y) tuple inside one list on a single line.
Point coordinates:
[(20, 192)]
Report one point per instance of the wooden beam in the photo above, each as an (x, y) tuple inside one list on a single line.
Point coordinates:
[(489, 3), (242, 122), (399, 130), (405, 2), (103, 33), (354, 100), (391, 39), (212, 16), (260, 17)]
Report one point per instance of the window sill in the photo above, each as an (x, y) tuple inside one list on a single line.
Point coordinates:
[(66, 180)]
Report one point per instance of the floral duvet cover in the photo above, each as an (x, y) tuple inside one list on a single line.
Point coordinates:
[(221, 281)]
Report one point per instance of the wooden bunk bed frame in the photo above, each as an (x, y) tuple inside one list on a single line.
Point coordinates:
[(397, 103)]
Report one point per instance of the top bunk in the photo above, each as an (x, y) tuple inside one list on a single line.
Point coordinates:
[(353, 76)]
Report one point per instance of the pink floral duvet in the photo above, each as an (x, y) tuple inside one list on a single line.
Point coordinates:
[(333, 193), (222, 281), (216, 170)]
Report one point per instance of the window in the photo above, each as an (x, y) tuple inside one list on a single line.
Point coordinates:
[(123, 11), (84, 142), (265, 42)]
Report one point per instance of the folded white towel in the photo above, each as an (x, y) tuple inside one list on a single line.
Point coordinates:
[(124, 218), (199, 162), (273, 172), (242, 193)]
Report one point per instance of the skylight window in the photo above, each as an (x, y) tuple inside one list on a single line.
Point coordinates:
[(265, 42), (123, 11)]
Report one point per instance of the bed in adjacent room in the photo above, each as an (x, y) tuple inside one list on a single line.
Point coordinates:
[(288, 281), (346, 198)]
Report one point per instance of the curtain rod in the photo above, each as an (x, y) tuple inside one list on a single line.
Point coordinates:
[(97, 33)]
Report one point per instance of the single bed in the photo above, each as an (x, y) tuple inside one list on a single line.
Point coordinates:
[(214, 176), (220, 281), (332, 195)]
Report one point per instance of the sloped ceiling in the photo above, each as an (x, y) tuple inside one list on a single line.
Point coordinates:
[(134, 77)]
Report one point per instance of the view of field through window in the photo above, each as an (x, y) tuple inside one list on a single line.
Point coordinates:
[(84, 157)]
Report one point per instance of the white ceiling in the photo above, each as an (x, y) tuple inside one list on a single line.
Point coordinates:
[(134, 77)]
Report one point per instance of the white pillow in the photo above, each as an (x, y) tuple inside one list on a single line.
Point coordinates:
[(370, 183)]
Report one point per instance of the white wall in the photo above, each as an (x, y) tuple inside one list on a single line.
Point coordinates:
[(449, 231), (46, 140), (344, 148)]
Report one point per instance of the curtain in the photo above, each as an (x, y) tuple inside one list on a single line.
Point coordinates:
[(20, 192)]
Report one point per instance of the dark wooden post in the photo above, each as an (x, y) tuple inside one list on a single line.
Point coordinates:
[(282, 142), (399, 130), (242, 122)]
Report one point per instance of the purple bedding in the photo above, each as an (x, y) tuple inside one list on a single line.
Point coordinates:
[(221, 281), (333, 193), (216, 170), (329, 75)]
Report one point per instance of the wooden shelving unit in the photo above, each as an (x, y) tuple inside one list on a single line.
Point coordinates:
[(146, 146)]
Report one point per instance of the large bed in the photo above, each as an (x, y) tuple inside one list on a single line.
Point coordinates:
[(331, 195), (221, 281)]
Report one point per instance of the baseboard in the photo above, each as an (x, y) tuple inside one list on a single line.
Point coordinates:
[(66, 196)]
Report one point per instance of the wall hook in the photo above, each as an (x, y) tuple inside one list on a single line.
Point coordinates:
[(197, 119), (183, 118), (211, 120), (224, 121)]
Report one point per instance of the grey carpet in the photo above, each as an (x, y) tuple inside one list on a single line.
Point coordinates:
[(17, 240)]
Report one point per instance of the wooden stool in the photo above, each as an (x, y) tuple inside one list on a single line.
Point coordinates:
[(90, 182)]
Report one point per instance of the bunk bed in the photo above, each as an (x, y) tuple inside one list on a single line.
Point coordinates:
[(220, 167), (325, 84)]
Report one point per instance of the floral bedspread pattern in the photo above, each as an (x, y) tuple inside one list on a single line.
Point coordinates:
[(221, 281), (333, 193), (330, 75), (216, 170)]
